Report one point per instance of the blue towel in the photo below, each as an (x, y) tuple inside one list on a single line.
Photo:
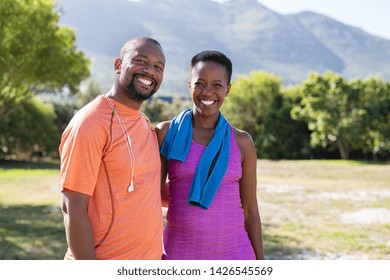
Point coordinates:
[(213, 163)]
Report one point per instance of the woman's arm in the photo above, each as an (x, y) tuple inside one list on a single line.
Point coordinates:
[(248, 189)]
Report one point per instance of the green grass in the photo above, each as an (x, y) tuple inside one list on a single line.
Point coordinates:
[(301, 203), (30, 221)]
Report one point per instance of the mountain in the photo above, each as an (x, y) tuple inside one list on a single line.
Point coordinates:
[(253, 36)]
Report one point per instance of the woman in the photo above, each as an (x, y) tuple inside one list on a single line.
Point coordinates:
[(213, 212)]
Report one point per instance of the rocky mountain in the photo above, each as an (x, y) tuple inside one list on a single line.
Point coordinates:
[(253, 36)]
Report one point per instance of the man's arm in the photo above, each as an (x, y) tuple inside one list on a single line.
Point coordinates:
[(77, 225)]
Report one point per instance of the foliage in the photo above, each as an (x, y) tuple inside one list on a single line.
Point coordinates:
[(28, 130), (256, 105), (375, 98), (332, 109), (35, 53), (85, 96), (293, 135), (250, 103), (159, 110)]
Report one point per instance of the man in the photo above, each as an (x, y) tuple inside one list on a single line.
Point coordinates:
[(110, 165)]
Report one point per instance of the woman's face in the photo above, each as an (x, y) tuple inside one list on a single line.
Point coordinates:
[(208, 86)]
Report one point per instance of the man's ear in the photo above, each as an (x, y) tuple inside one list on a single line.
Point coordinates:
[(117, 65)]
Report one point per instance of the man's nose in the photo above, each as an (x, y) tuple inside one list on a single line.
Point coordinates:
[(148, 69)]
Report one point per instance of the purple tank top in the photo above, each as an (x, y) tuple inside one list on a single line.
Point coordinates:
[(216, 233)]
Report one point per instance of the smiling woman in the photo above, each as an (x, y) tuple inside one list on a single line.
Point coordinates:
[(212, 173)]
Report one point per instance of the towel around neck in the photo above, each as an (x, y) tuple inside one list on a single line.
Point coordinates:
[(213, 163)]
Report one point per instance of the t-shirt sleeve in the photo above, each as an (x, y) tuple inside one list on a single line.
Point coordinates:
[(81, 150)]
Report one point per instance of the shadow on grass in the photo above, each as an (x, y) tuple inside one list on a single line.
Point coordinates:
[(13, 164), (276, 248), (31, 233), (37, 233)]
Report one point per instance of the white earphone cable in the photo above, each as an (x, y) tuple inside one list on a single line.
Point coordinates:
[(128, 144)]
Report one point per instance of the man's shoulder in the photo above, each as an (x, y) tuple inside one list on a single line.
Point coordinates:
[(92, 116)]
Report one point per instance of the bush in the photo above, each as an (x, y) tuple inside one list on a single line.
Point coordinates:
[(28, 130)]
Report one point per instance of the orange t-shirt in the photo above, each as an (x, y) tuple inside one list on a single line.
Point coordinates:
[(95, 161)]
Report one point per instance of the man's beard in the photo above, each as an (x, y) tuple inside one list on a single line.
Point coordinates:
[(134, 93)]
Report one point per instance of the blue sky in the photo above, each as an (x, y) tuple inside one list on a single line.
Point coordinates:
[(373, 16)]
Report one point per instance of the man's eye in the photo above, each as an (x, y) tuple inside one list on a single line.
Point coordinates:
[(159, 68), (140, 61)]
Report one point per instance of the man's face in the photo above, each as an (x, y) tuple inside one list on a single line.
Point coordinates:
[(141, 70)]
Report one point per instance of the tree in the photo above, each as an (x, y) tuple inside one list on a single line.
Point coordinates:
[(28, 130), (159, 110), (91, 91), (250, 105), (375, 96), (35, 53), (293, 135), (333, 111)]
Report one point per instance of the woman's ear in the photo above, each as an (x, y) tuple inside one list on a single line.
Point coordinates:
[(228, 90)]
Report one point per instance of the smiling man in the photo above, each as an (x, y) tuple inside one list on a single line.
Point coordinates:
[(110, 165)]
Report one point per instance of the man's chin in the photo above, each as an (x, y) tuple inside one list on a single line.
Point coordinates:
[(140, 96), (139, 93)]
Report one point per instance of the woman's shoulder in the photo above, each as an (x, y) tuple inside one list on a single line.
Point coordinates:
[(244, 142), (242, 136), (161, 130), (163, 126)]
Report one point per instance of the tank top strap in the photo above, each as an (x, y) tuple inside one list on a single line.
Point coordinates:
[(234, 148)]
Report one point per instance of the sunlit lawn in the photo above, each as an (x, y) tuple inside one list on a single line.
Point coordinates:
[(309, 210), (30, 219), (325, 209)]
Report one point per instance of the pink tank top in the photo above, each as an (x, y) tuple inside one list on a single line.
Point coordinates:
[(216, 233)]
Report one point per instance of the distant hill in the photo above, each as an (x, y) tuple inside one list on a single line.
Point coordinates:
[(252, 35)]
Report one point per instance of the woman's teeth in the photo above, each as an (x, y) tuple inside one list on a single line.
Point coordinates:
[(207, 102)]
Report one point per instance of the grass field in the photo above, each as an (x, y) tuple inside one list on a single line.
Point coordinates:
[(325, 209), (309, 210), (30, 219)]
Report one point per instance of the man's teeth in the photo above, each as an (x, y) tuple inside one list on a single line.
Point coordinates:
[(145, 81), (207, 102)]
